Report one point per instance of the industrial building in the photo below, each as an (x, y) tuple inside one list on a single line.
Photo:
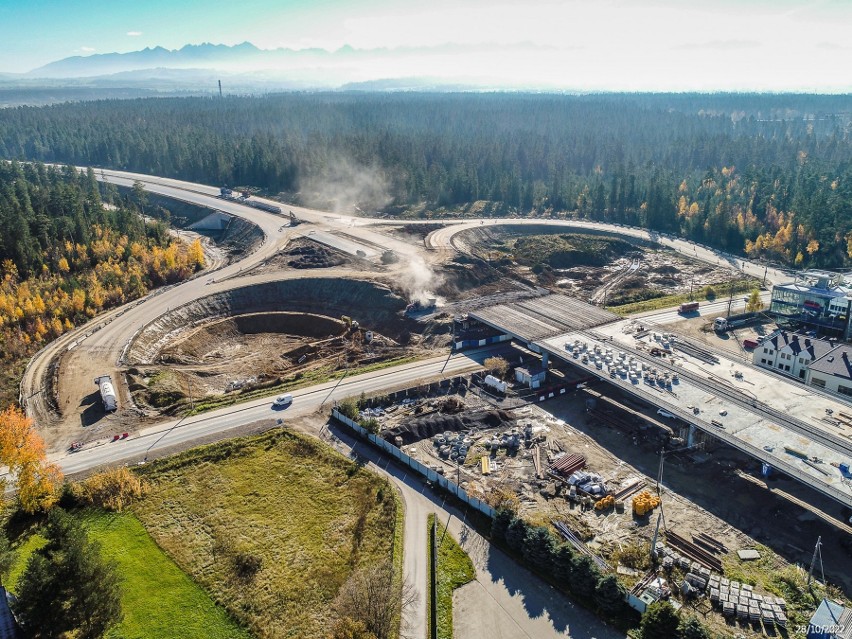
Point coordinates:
[(816, 300), (830, 621), (823, 364)]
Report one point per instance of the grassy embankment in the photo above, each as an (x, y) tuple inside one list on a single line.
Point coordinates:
[(720, 293), (271, 526), (267, 527), (455, 569), (564, 250), (773, 575)]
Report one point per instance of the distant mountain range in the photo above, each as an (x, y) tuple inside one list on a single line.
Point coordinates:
[(202, 56), (245, 67)]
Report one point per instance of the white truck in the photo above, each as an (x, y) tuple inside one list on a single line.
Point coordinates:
[(104, 383)]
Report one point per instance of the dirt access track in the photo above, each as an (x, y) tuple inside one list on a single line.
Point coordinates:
[(597, 267), (57, 394)]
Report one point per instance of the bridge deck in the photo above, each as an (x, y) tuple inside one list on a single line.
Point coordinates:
[(543, 317)]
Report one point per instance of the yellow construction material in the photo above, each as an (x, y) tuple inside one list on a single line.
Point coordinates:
[(486, 465), (645, 502), (605, 502)]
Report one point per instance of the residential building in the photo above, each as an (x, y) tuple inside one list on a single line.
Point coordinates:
[(833, 371), (823, 364), (790, 353)]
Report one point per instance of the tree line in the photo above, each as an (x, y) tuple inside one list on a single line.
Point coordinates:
[(770, 175), (68, 252), (579, 575)]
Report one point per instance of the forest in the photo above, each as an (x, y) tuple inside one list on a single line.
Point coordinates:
[(66, 254), (769, 176)]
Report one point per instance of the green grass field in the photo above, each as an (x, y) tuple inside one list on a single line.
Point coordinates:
[(158, 599), (270, 526), (455, 569)]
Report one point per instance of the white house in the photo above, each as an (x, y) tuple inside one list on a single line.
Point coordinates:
[(790, 353), (833, 371)]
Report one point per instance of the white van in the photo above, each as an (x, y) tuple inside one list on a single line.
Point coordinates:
[(664, 413), (283, 400)]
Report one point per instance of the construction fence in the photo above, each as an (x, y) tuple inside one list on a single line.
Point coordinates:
[(439, 480)]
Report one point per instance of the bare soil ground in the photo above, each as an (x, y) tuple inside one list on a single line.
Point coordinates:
[(248, 350), (716, 490), (700, 329), (303, 253), (598, 268)]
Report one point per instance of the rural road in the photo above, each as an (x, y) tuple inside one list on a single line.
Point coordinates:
[(506, 601), (519, 603)]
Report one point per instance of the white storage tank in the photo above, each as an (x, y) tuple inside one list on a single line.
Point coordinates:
[(108, 397)]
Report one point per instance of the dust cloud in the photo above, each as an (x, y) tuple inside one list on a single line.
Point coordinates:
[(346, 187), (419, 280)]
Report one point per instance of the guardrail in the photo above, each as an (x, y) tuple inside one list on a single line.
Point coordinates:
[(430, 474)]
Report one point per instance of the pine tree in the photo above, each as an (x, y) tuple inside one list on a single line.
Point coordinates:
[(660, 621), (691, 628), (67, 586)]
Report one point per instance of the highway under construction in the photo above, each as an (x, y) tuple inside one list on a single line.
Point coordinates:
[(771, 419)]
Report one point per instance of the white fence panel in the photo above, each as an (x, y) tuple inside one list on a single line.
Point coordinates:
[(420, 468)]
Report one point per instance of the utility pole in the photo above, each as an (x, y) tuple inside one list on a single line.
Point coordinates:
[(663, 453), (817, 551), (730, 300)]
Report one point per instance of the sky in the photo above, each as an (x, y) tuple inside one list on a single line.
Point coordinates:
[(579, 44)]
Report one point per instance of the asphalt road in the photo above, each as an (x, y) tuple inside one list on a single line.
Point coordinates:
[(305, 401), (519, 603), (713, 309), (505, 601)]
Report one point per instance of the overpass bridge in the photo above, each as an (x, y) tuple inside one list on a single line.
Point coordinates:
[(769, 418)]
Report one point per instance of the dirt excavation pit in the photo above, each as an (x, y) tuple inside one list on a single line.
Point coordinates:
[(239, 343), (595, 267), (254, 351)]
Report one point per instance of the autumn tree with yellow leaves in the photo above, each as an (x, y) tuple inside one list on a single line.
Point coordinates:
[(86, 258), (22, 450)]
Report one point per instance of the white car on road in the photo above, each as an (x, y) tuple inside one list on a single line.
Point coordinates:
[(282, 400)]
